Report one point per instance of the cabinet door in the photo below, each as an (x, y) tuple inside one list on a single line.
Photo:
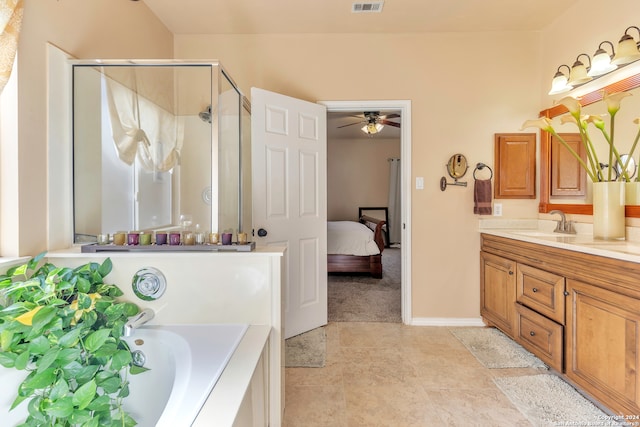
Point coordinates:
[(515, 162), (602, 345), (568, 178), (498, 291), (541, 291)]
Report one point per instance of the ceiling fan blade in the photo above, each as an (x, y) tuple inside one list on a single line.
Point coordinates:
[(351, 124), (390, 116), (387, 122)]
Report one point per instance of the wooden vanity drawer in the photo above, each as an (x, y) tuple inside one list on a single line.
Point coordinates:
[(541, 336), (541, 291)]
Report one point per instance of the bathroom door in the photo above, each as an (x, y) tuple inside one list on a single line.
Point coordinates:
[(289, 158)]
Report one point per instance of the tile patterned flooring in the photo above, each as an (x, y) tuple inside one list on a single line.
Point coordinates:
[(393, 375)]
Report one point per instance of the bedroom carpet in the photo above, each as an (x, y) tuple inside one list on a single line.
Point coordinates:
[(495, 350), (361, 298)]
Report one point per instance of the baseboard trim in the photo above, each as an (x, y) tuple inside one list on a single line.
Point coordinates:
[(447, 321)]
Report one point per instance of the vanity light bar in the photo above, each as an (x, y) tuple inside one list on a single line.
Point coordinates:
[(628, 51)]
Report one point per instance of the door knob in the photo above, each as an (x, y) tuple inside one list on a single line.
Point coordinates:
[(262, 232)]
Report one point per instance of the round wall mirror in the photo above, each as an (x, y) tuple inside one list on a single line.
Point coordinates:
[(457, 166), (631, 166)]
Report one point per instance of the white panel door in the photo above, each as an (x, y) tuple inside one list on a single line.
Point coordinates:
[(289, 158)]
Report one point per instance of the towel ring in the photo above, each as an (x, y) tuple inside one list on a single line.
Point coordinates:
[(481, 166)]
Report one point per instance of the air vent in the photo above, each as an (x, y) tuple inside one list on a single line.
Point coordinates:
[(370, 7)]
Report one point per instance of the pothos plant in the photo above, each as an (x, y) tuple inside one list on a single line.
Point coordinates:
[(64, 327)]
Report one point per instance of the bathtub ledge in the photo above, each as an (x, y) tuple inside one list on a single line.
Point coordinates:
[(223, 404)]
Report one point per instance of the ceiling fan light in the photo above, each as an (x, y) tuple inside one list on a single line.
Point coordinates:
[(372, 128), (627, 51)]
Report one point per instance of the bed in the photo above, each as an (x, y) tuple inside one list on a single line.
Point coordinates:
[(355, 247)]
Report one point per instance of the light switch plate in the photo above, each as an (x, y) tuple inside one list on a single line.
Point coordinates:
[(419, 183)]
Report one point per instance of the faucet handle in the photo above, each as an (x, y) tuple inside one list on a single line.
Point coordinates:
[(568, 227)]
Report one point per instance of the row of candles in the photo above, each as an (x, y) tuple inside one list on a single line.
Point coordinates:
[(172, 238)]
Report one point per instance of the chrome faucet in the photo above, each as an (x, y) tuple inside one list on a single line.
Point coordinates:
[(138, 320), (563, 226)]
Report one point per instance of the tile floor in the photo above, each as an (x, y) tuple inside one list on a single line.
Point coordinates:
[(392, 375)]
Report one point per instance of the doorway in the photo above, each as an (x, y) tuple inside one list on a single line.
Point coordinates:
[(403, 109)]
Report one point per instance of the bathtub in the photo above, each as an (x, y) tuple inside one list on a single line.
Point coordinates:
[(185, 362)]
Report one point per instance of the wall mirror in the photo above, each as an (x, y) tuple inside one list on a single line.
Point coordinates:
[(625, 133), (457, 166), (158, 145)]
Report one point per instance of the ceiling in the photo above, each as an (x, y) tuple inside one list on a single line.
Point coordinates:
[(335, 16)]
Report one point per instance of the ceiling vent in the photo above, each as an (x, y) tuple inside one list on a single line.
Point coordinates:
[(369, 7)]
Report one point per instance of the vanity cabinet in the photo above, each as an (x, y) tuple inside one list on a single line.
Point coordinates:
[(525, 303), (602, 345), (578, 312), (498, 291)]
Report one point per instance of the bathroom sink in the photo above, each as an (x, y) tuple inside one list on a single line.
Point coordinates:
[(538, 233), (623, 247)]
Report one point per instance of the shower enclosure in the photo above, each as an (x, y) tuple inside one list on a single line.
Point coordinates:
[(159, 145)]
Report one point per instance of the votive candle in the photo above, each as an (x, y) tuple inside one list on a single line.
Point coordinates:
[(119, 238), (174, 239)]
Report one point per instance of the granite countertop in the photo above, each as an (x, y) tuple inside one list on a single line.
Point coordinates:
[(541, 232)]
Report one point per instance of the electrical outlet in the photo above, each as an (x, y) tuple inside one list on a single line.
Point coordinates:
[(497, 209), (419, 183)]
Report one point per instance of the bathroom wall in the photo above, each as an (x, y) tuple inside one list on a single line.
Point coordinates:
[(458, 103), (464, 88)]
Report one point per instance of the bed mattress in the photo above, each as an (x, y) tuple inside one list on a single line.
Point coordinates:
[(350, 238)]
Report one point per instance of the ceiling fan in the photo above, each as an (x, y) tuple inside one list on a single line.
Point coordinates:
[(374, 122)]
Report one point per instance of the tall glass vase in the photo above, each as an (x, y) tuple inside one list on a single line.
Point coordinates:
[(632, 193), (608, 210)]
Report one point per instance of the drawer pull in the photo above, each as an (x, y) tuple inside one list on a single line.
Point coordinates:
[(510, 273), (535, 289), (532, 333)]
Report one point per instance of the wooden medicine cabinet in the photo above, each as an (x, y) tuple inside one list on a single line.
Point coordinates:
[(515, 163)]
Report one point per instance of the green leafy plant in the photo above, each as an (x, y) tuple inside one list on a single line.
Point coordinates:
[(64, 327)]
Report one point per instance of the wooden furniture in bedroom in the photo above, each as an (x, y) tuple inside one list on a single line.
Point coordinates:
[(385, 229), (360, 264)]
